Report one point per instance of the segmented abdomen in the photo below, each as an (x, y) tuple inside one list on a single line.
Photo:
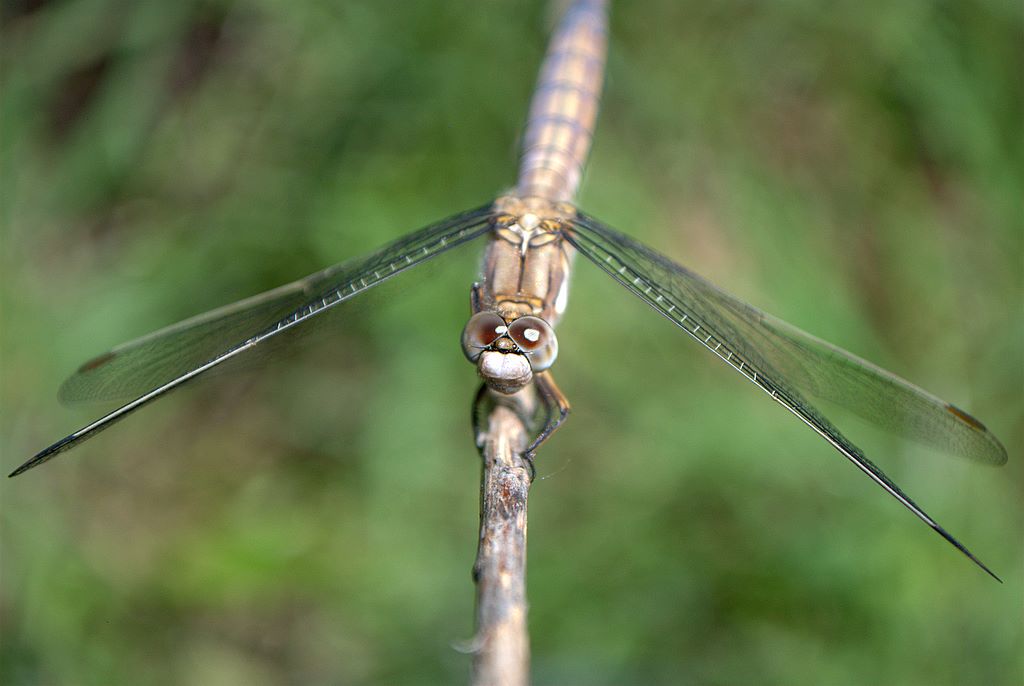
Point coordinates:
[(564, 106)]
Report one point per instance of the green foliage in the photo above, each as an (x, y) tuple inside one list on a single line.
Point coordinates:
[(855, 168)]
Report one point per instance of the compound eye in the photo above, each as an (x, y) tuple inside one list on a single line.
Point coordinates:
[(482, 329), (536, 338)]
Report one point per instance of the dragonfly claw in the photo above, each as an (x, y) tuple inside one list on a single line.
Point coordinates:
[(528, 459)]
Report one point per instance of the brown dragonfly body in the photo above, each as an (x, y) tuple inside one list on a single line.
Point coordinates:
[(526, 265)]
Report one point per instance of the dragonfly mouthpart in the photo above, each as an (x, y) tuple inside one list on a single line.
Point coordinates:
[(505, 372)]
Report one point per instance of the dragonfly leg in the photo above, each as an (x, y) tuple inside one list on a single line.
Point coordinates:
[(476, 298), (553, 400), (479, 402)]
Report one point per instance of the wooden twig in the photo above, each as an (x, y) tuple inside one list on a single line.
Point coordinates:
[(502, 646)]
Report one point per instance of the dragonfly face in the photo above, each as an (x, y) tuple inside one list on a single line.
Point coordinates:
[(507, 353)]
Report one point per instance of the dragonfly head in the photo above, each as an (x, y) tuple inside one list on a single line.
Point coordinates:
[(508, 352)]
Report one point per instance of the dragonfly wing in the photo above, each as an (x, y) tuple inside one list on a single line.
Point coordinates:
[(133, 368), (149, 367), (828, 372), (803, 361), (783, 361)]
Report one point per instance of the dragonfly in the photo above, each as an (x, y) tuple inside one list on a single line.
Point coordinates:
[(533, 234)]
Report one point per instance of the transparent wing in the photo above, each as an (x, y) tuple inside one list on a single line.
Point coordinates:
[(784, 361), (148, 367), (133, 368)]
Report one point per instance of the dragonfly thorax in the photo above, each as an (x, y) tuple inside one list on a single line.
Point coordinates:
[(526, 267)]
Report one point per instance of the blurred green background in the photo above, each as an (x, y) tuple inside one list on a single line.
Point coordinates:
[(856, 168)]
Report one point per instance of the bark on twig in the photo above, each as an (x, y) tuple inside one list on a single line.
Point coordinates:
[(501, 642)]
